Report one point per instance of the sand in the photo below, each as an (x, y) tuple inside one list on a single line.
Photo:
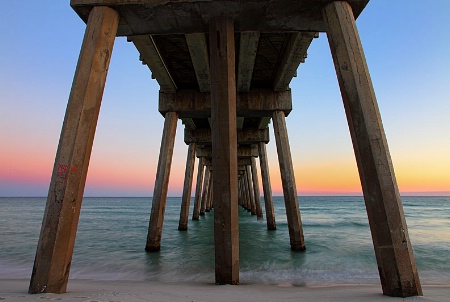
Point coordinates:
[(91, 291)]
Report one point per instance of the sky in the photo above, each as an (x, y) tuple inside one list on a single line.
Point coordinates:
[(407, 47)]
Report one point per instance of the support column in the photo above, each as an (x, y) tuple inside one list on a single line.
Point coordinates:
[(247, 201), (259, 214), (393, 251), (268, 200), (186, 198), (224, 149), (205, 191), (56, 241), (240, 192), (288, 182), (209, 196), (250, 190), (161, 183), (198, 190)]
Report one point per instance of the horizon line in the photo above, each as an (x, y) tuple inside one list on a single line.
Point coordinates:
[(404, 194)]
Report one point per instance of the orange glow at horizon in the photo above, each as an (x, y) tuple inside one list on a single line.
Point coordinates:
[(327, 178)]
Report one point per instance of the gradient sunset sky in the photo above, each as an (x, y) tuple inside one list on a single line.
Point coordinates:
[(407, 46)]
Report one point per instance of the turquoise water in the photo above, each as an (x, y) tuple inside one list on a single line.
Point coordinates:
[(112, 233)]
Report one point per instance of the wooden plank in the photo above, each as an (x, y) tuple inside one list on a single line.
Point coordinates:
[(186, 197), (247, 54), (161, 183), (57, 238), (152, 58), (294, 55), (199, 55), (224, 146), (288, 182), (393, 251)]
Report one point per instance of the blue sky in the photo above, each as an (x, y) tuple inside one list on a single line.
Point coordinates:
[(407, 47)]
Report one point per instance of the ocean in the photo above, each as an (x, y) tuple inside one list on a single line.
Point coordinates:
[(112, 233)]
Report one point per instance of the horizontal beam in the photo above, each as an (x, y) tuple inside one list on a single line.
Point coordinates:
[(255, 103), (245, 151), (202, 136), (184, 17), (247, 54), (244, 162), (200, 59), (152, 58), (294, 55)]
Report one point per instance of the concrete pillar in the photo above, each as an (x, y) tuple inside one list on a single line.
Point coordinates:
[(250, 190), (288, 182), (393, 251), (56, 241), (198, 190), (205, 191), (224, 149), (186, 197), (161, 183), (259, 214)]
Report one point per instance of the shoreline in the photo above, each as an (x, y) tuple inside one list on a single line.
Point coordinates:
[(90, 291)]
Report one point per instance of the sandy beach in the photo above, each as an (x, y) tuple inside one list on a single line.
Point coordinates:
[(96, 291)]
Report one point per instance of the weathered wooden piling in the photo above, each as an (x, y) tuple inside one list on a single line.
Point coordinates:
[(198, 190), (210, 193), (268, 201), (288, 181), (393, 251), (224, 147), (186, 197), (259, 214), (251, 196), (205, 192), (161, 183), (56, 241)]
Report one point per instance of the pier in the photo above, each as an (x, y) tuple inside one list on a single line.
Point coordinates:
[(224, 68)]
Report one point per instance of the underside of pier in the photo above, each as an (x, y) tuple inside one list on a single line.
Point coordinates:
[(224, 69)]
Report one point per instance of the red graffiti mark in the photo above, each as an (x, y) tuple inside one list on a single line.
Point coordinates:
[(63, 171)]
